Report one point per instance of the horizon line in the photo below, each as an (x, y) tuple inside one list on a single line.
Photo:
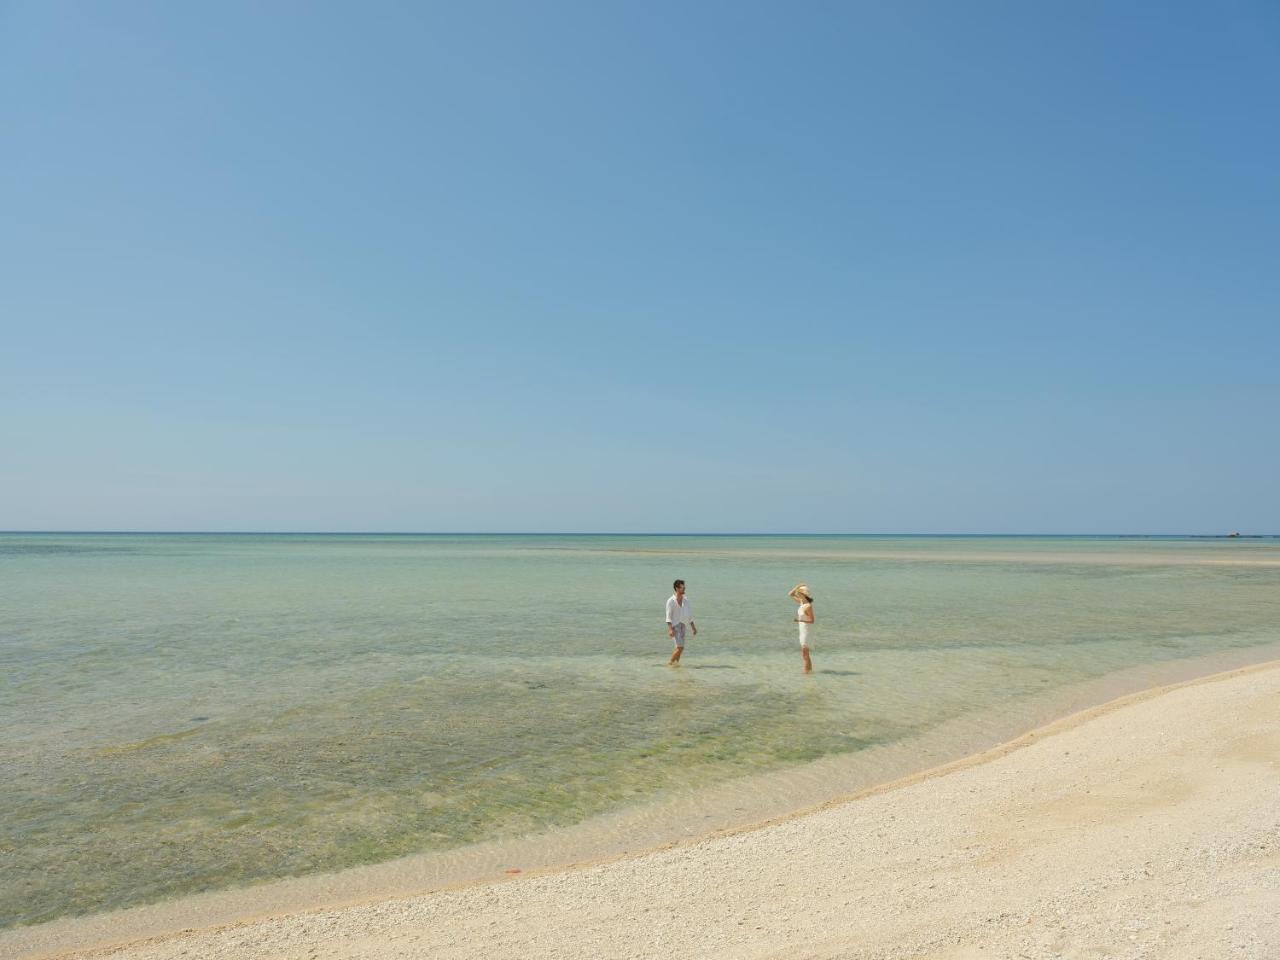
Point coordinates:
[(620, 533)]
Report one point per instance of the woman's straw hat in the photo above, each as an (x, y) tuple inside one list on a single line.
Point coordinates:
[(802, 588)]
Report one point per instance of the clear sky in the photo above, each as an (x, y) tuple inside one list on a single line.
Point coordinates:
[(834, 267)]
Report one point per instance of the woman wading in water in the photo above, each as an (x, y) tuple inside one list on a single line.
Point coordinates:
[(804, 616)]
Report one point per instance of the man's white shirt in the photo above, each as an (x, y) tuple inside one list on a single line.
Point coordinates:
[(678, 612)]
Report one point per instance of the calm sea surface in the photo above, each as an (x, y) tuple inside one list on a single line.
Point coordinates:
[(189, 712)]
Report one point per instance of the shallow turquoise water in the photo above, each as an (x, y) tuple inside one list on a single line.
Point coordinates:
[(184, 712)]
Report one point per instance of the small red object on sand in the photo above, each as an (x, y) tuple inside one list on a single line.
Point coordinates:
[(512, 870)]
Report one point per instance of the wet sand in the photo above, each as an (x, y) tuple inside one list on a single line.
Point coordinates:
[(1149, 827)]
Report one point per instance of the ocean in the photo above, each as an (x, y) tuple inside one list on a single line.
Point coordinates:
[(191, 712)]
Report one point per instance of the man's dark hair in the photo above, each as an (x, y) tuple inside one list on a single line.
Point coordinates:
[(677, 585)]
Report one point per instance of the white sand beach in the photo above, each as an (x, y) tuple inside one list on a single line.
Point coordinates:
[(1149, 827)]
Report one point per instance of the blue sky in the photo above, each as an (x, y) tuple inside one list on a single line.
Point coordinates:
[(913, 267)]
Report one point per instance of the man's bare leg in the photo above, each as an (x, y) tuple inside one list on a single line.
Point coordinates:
[(675, 657)]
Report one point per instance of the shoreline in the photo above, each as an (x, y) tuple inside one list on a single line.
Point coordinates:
[(295, 899)]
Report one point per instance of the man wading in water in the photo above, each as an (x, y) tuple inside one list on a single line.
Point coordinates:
[(679, 613)]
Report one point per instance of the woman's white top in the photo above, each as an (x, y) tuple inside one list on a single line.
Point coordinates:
[(806, 628)]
